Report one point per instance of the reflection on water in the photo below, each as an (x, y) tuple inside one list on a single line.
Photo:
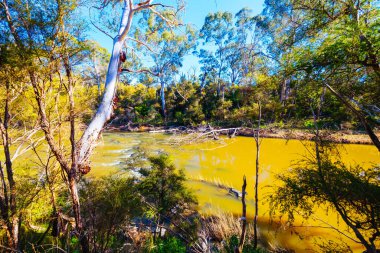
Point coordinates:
[(225, 162)]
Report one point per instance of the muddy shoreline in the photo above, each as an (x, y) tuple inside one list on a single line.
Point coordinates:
[(342, 136)]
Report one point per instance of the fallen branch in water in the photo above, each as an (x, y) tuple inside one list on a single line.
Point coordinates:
[(185, 135)]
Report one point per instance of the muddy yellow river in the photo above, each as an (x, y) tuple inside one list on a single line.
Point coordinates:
[(225, 162)]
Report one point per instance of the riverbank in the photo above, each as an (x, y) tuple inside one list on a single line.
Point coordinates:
[(335, 136)]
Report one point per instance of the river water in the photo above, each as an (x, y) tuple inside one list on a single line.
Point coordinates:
[(225, 162)]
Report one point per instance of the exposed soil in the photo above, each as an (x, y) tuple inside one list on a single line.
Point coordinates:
[(343, 136)]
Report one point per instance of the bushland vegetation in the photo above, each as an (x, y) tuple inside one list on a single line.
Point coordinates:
[(295, 60)]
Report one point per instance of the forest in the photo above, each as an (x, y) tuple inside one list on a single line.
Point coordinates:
[(256, 132)]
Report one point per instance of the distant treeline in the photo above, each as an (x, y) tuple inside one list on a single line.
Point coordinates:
[(187, 103), (294, 60)]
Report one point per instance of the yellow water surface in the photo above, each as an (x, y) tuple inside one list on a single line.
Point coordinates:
[(225, 162)]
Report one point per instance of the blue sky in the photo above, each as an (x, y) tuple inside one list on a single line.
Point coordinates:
[(195, 13), (197, 10)]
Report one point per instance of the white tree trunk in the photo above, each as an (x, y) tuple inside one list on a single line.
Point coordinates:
[(105, 110), (163, 103)]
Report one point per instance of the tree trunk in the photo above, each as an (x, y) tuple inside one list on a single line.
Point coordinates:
[(257, 141), (333, 199), (243, 218), (375, 140), (284, 91), (76, 207), (105, 109), (10, 201), (163, 102), (72, 173), (9, 207)]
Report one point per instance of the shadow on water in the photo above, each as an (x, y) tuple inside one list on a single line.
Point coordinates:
[(211, 165)]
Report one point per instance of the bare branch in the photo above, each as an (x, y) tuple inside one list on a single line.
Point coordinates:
[(142, 43), (141, 71), (148, 5), (169, 22), (20, 151), (133, 51), (97, 27), (336, 229), (181, 95)]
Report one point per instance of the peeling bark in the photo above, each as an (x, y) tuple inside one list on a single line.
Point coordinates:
[(90, 136)]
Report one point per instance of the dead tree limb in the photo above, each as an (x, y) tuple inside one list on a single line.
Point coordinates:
[(359, 114), (257, 141), (243, 218)]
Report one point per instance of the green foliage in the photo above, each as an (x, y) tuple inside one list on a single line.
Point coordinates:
[(233, 242), (309, 123), (286, 69), (188, 104), (164, 187), (136, 103), (108, 205), (353, 192), (165, 245), (340, 50), (299, 47)]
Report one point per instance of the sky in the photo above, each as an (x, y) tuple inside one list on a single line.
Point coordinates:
[(195, 14), (197, 10)]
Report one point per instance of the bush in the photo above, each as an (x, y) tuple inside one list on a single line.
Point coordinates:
[(167, 245), (164, 188), (353, 192), (233, 242), (108, 204)]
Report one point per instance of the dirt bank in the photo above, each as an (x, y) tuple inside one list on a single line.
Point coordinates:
[(344, 136)]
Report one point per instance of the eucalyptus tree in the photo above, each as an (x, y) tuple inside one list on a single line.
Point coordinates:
[(332, 41), (22, 53), (229, 52), (18, 130), (46, 44), (209, 65), (83, 148), (167, 49), (93, 66), (245, 49), (48, 40), (217, 31), (105, 109)]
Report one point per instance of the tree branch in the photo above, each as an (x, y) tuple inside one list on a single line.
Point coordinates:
[(141, 71), (142, 43), (97, 27)]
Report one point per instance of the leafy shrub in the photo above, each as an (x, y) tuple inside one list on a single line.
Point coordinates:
[(108, 204), (233, 242), (167, 245)]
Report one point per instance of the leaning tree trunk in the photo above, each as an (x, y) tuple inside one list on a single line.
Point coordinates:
[(105, 110), (375, 140), (322, 177)]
